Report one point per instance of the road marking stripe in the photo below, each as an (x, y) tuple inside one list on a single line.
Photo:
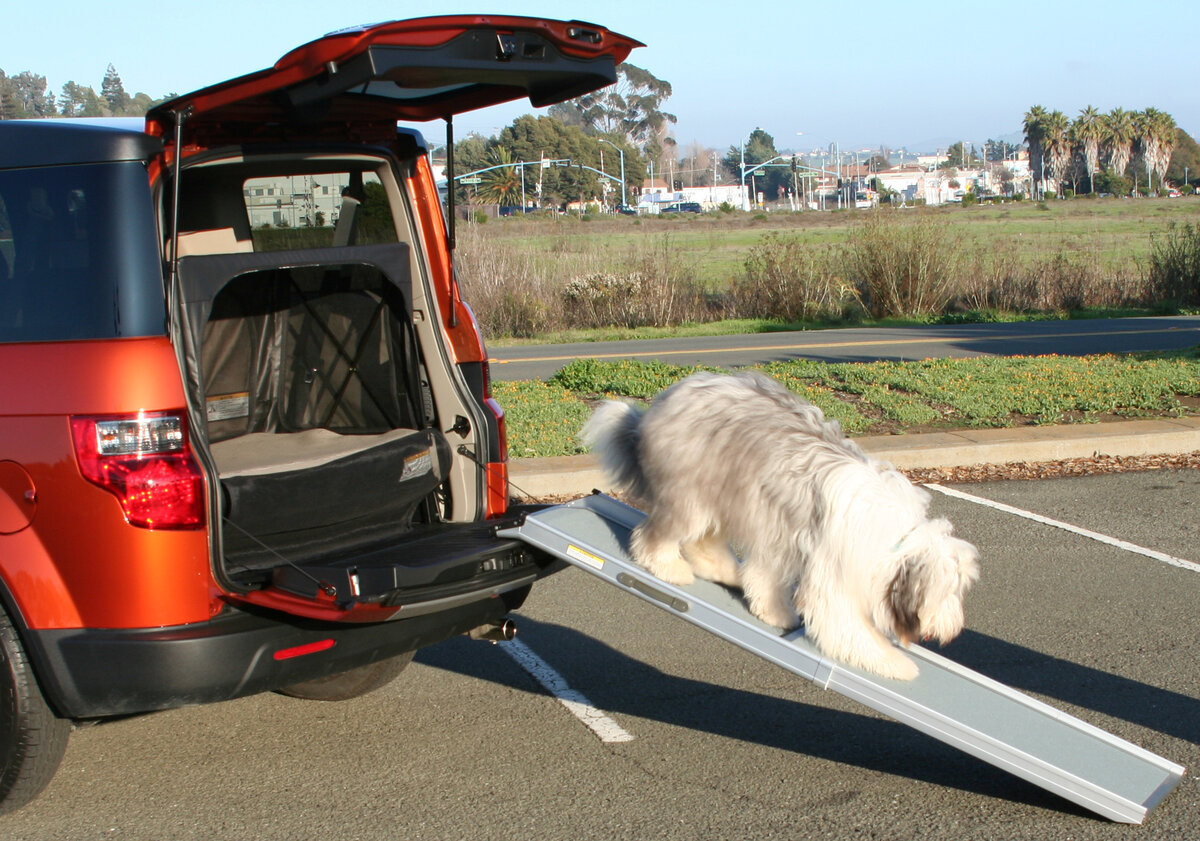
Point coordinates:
[(931, 340), (1102, 538), (596, 721)]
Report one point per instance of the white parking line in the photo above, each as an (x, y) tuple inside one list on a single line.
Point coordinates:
[(604, 727), (1103, 538)]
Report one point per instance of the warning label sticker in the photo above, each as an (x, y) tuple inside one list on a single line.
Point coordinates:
[(221, 407), (417, 465), (588, 558)]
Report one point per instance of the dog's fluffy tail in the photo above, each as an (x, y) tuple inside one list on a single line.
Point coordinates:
[(612, 434)]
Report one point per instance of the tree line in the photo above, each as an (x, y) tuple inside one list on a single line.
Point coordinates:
[(27, 95), (577, 151), (1104, 152)]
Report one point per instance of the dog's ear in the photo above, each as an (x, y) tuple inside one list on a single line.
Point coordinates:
[(904, 600)]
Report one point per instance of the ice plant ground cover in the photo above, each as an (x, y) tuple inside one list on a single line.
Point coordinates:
[(544, 418)]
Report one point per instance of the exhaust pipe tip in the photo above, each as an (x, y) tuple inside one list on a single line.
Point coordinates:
[(495, 632)]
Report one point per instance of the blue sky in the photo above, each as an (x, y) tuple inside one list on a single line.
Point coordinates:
[(920, 75)]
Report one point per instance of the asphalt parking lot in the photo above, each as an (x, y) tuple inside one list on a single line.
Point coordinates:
[(467, 744)]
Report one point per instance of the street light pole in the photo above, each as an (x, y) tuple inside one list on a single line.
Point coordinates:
[(621, 152), (744, 177)]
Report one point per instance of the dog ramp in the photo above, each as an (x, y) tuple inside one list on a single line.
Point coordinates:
[(954, 704)]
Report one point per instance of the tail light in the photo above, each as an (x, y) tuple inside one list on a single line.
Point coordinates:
[(146, 462)]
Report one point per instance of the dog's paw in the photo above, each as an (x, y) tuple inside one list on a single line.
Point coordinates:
[(776, 615), (895, 665), (675, 571)]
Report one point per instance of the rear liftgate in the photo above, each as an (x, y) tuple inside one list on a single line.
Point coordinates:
[(953, 704)]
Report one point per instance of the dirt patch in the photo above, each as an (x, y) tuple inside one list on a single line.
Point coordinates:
[(1093, 466)]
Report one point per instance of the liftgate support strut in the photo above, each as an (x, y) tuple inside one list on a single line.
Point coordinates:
[(954, 704)]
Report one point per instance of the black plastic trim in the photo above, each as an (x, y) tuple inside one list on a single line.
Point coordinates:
[(93, 673)]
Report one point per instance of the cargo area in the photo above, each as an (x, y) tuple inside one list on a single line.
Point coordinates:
[(317, 416)]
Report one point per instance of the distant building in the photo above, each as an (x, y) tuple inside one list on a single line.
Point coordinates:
[(907, 181), (931, 162), (656, 195)]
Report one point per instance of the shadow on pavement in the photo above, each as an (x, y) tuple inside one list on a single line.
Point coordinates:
[(619, 684)]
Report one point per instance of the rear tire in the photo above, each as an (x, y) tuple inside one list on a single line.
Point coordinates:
[(32, 738), (346, 685)]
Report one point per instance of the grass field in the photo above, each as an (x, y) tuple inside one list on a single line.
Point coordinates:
[(1116, 231), (541, 275), (544, 418)]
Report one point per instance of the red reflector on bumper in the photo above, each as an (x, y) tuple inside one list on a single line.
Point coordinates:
[(301, 650)]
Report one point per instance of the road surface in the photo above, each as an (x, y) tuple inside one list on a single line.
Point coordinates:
[(863, 344)]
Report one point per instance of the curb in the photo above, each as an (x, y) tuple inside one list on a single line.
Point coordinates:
[(535, 478)]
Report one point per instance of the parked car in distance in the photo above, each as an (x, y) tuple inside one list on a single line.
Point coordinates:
[(684, 207), (247, 439)]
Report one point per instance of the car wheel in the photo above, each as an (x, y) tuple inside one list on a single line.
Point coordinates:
[(346, 685), (32, 738)]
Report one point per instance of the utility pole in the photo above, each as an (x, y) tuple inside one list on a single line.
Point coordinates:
[(744, 177), (621, 152)]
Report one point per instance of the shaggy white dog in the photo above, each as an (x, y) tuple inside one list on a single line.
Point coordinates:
[(825, 532)]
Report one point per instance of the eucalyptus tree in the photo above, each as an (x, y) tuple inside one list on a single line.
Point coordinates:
[(25, 95), (1035, 134), (1088, 131), (631, 109), (1120, 131)]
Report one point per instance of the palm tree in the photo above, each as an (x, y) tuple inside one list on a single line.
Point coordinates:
[(1088, 130), (1158, 138), (502, 185), (1168, 136), (1119, 133), (1034, 136), (1057, 147)]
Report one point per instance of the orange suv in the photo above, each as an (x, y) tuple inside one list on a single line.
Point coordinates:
[(246, 437)]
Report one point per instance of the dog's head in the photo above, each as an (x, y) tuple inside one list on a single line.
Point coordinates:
[(934, 570)]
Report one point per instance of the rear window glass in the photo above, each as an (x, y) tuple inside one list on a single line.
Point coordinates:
[(78, 254), (318, 210)]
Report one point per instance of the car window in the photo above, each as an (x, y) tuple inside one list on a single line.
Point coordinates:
[(318, 210), (78, 254)]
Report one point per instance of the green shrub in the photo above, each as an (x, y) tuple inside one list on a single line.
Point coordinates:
[(1175, 264), (789, 280), (902, 265)]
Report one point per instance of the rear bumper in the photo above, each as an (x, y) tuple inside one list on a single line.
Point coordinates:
[(89, 673)]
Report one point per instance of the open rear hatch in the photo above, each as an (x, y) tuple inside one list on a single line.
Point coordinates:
[(422, 69), (308, 380)]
